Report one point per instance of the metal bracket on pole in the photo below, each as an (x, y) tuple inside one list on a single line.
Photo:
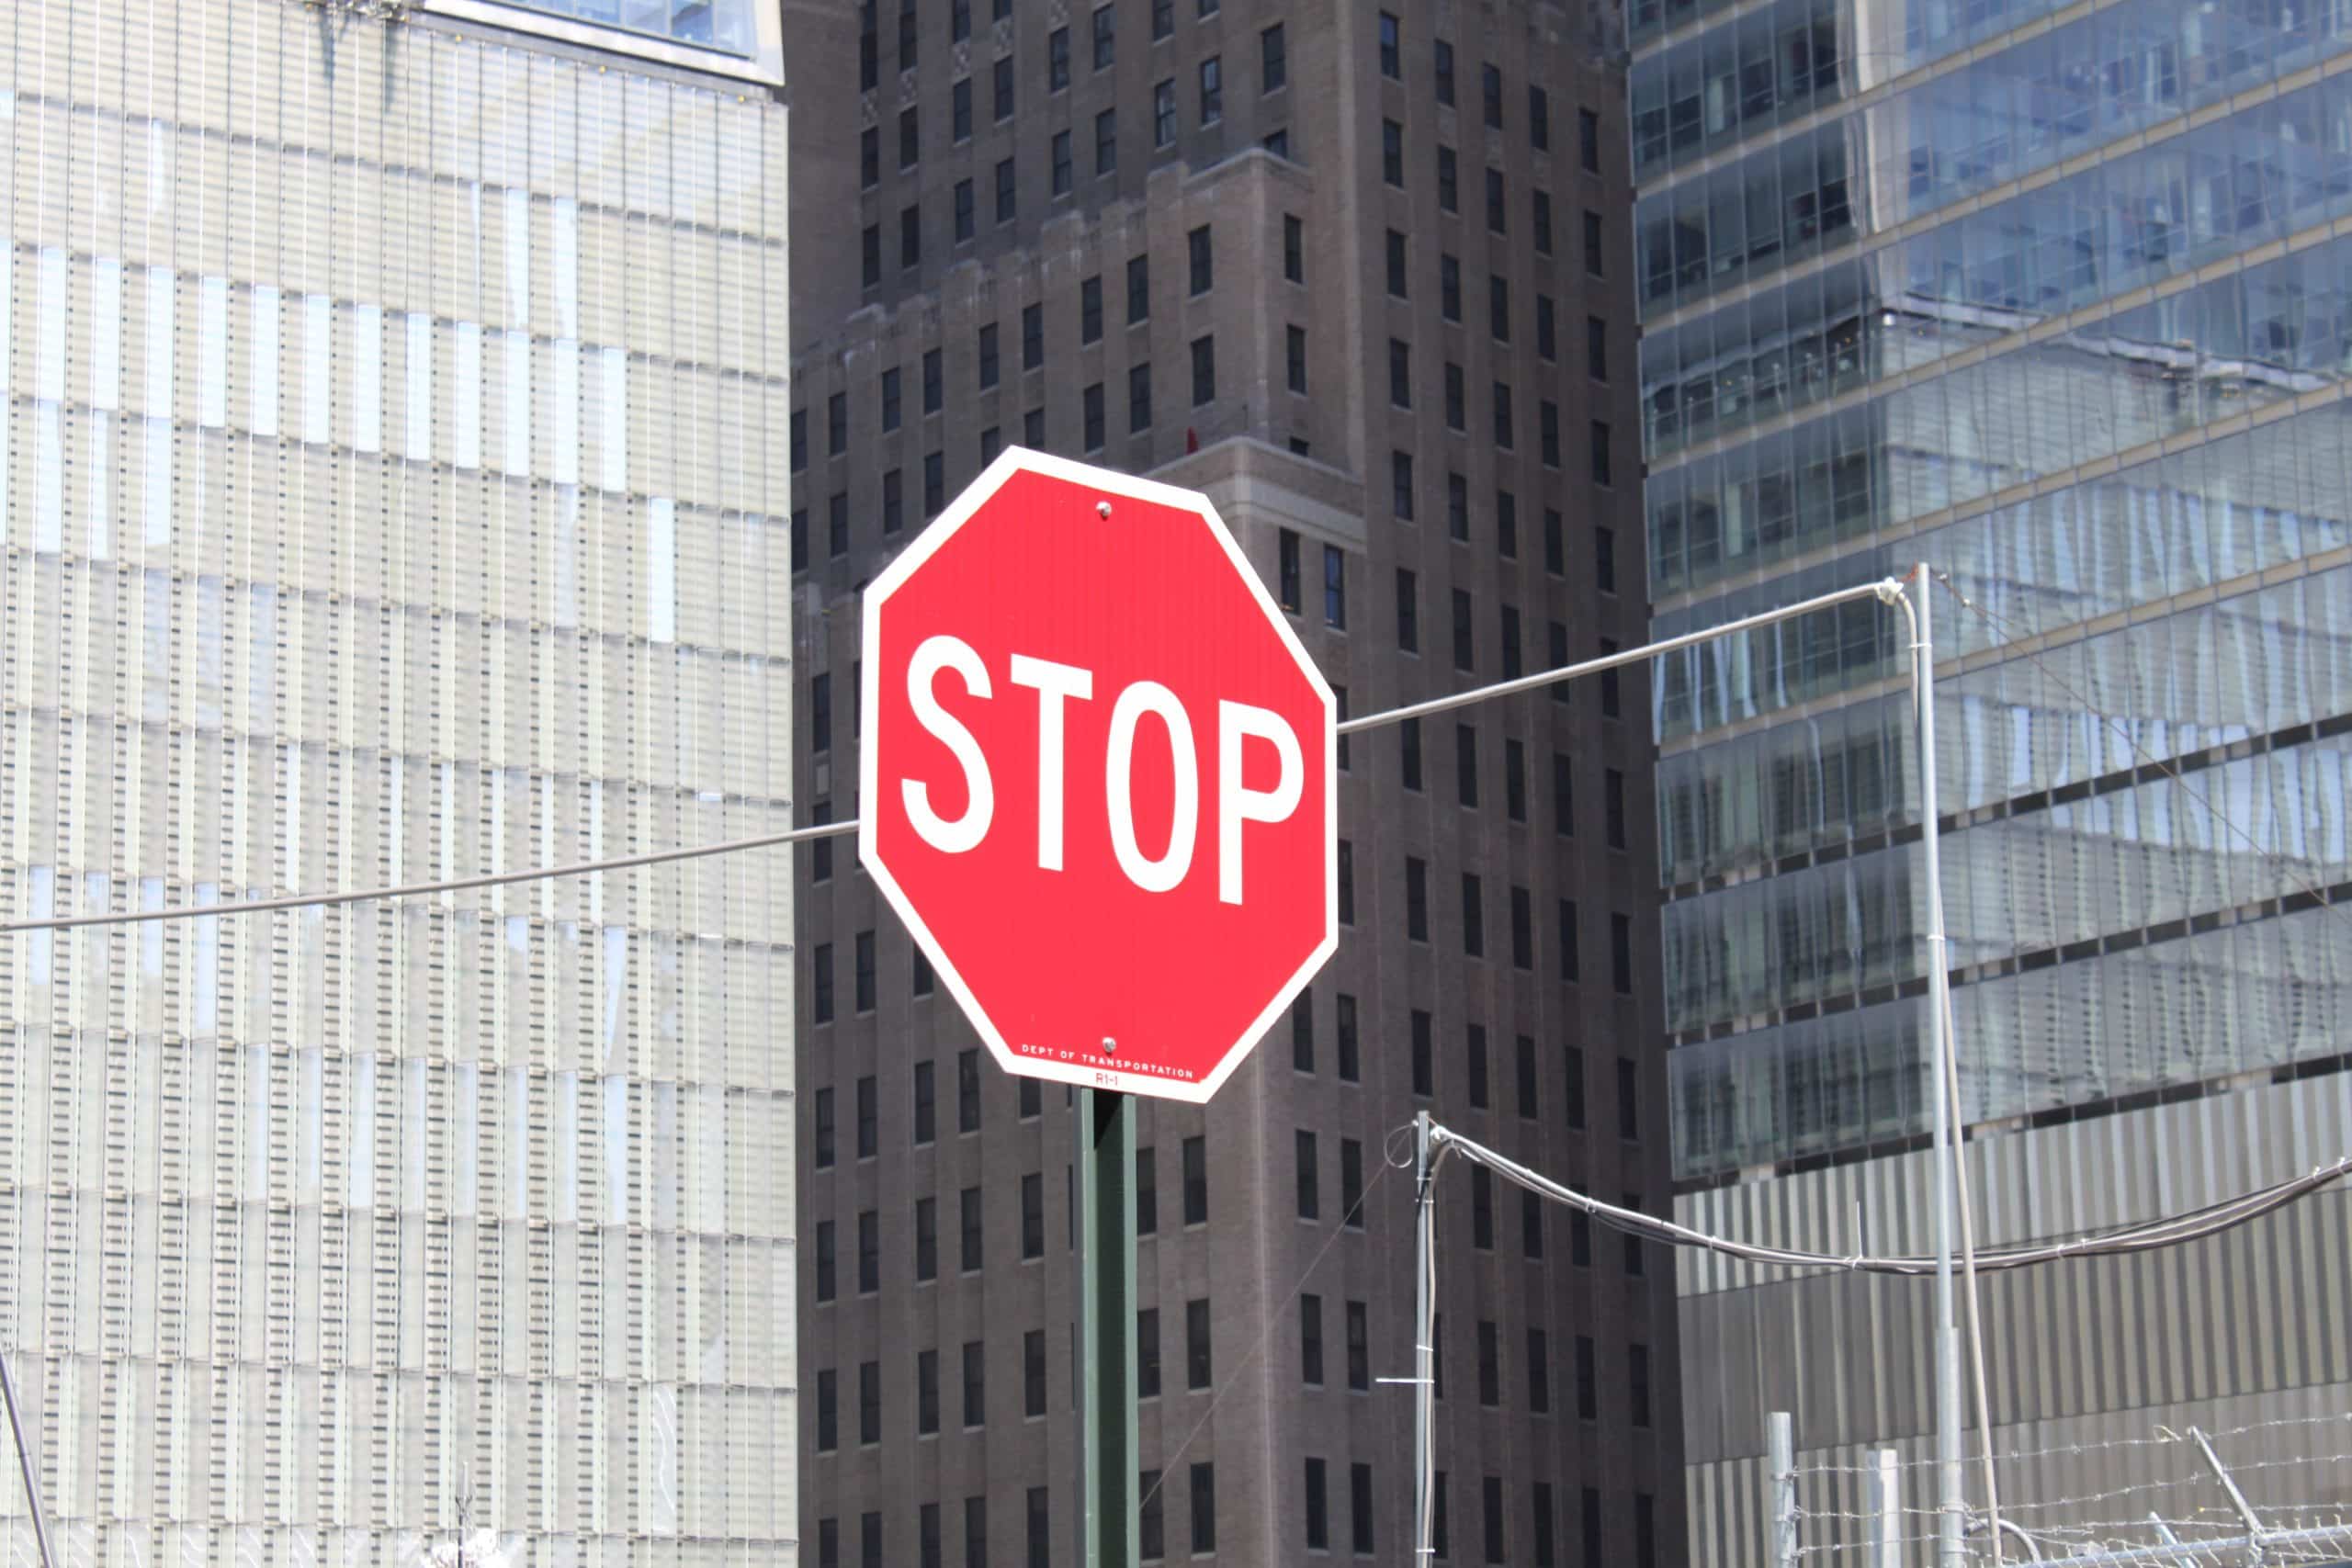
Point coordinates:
[(1780, 1445), (1110, 1524)]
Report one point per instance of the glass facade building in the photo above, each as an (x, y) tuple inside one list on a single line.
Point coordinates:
[(2064, 313), (393, 490)]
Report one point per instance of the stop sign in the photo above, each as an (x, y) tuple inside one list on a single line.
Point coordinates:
[(1098, 778)]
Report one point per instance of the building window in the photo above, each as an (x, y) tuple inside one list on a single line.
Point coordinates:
[(1587, 1370), (1163, 19), (1522, 929), (871, 242), (934, 483), (1613, 807), (1499, 309), (821, 1135), (1482, 1208), (1212, 90), (828, 1277), (1032, 429), (1004, 191), (1032, 1216), (1491, 1364), (921, 985), (869, 62), (1295, 358), (1592, 245), (1200, 258), (1203, 370), (1093, 417), (1391, 62), (1542, 222), (1359, 1509), (1400, 484), (869, 157), (976, 1384), (1147, 1353), (971, 1235), (1002, 89), (1032, 1372), (1557, 653), (820, 1003), (893, 507), (1147, 1192), (1490, 88), (1347, 882), (907, 36), (1539, 118), (1507, 526), (1197, 1366), (1319, 1521), (1449, 288), (910, 137), (1600, 474), (1442, 55), (1473, 917), (1621, 952), (968, 1091), (966, 217), (1138, 290), (1392, 153), (1057, 60), (1204, 1507), (1310, 1194), (1287, 570), (1089, 310), (1344, 1027), (828, 1412), (1196, 1181), (1637, 1382), (1457, 416), (869, 1247), (1588, 140), (1571, 971), (1294, 249), (1466, 767), (1474, 1057), (1506, 428), (1417, 898), (1449, 189), (1401, 373), (1465, 660), (1106, 141), (1139, 398), (1163, 114), (1547, 432), (1409, 737), (801, 546), (1335, 588), (869, 1143), (1062, 170), (1041, 1530), (926, 1102), (927, 1422), (1274, 66), (1632, 1243), (1106, 38)]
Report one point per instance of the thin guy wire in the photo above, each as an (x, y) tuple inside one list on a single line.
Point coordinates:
[(1168, 1464), (828, 829), (2017, 633), (422, 889)]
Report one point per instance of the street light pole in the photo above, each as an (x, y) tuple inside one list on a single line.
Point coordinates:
[(1951, 1500)]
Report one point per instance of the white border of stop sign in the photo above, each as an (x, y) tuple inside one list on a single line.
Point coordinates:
[(1103, 1070)]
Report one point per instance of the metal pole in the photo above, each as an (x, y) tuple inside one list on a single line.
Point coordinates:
[(24, 1461), (1951, 1497), (1424, 1367), (1884, 1481), (1110, 1526), (1781, 1445)]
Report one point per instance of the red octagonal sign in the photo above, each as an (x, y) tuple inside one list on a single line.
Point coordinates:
[(1098, 777)]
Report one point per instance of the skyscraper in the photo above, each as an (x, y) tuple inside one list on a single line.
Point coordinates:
[(386, 497), (2059, 309), (1359, 273)]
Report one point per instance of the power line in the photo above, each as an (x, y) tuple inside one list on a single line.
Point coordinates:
[(2147, 1235), (1887, 591)]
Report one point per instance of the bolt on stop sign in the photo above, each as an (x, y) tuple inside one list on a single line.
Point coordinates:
[(1098, 778)]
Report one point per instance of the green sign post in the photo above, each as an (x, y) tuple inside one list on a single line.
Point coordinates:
[(1110, 1530)]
